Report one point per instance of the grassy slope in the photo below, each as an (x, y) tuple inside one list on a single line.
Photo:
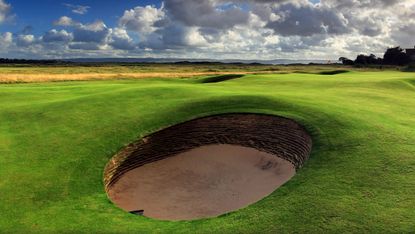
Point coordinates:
[(55, 139)]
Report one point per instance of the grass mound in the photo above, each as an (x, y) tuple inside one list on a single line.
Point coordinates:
[(221, 78), (334, 72)]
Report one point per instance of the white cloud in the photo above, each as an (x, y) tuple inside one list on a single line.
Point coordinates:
[(95, 36), (91, 36), (142, 19), (6, 40), (25, 40), (66, 21), (194, 38), (119, 39)]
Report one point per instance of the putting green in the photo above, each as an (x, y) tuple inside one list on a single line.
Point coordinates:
[(56, 138)]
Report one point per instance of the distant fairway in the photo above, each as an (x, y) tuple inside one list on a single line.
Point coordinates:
[(57, 137)]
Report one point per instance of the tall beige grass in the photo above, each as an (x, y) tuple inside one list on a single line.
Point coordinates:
[(30, 78)]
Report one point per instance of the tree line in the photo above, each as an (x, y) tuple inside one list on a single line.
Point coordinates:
[(393, 56)]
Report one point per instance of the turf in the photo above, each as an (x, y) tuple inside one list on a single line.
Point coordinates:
[(55, 139)]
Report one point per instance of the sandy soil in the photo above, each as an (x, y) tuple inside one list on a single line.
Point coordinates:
[(203, 182)]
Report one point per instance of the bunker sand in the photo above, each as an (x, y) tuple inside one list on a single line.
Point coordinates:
[(203, 182)]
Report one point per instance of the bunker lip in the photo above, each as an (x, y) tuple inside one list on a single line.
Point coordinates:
[(274, 136)]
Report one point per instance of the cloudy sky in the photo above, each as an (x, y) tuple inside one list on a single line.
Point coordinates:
[(234, 29)]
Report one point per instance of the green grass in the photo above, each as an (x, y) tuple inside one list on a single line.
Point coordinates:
[(55, 139)]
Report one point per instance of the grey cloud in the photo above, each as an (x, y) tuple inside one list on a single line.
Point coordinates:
[(57, 36), (368, 25), (170, 37), (261, 1), (6, 39), (404, 35), (77, 9), (342, 4), (122, 44), (367, 17), (307, 20), (205, 13), (120, 40), (210, 34), (84, 46), (25, 40), (297, 43), (96, 32), (5, 11)]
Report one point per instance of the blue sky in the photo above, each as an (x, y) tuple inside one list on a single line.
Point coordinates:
[(227, 29), (40, 14)]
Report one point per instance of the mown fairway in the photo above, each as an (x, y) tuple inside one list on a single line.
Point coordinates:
[(55, 139)]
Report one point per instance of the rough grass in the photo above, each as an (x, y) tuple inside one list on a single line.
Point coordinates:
[(55, 139), (32, 78), (31, 74)]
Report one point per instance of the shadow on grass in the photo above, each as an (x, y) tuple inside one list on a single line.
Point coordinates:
[(329, 72), (334, 72), (409, 68), (221, 78)]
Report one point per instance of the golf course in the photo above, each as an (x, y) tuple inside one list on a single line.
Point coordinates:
[(57, 136)]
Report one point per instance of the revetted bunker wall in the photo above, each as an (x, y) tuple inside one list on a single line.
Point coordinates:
[(271, 134)]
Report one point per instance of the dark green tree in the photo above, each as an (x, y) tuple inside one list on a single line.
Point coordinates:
[(396, 56), (346, 61)]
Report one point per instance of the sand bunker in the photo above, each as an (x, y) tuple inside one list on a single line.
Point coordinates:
[(206, 167), (203, 182)]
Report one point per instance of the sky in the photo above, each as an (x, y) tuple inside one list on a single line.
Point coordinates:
[(218, 29)]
